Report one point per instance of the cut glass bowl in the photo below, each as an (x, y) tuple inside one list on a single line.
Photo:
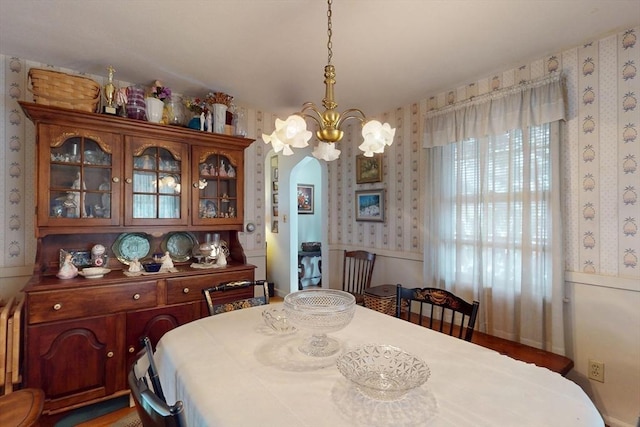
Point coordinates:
[(276, 319), (319, 311), (383, 372)]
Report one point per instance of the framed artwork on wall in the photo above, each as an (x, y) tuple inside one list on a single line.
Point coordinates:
[(370, 205), (368, 169), (305, 199), (275, 210), (274, 226)]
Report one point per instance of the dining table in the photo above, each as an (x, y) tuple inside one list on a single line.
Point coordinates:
[(232, 370)]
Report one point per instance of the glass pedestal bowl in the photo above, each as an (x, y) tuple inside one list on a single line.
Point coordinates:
[(318, 312)]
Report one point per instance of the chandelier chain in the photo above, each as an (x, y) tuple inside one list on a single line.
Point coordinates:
[(329, 32), (293, 133)]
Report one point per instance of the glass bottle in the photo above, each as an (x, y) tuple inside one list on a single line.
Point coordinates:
[(175, 111)]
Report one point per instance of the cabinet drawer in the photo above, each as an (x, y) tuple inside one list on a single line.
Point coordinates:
[(90, 301), (186, 289)]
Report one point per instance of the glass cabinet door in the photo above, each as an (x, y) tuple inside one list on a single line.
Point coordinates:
[(217, 187), (83, 179), (155, 183)]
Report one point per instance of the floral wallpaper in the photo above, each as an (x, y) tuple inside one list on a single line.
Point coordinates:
[(608, 117), (600, 156)]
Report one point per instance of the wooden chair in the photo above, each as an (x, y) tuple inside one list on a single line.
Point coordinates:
[(447, 312), (151, 369), (356, 273), (237, 304), (151, 406), (21, 408)]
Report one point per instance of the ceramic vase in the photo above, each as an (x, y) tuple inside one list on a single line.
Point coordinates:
[(155, 107), (135, 103), (219, 117)]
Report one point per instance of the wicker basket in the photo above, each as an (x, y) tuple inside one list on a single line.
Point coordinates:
[(64, 90), (386, 305)]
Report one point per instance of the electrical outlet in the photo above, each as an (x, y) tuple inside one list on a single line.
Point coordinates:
[(596, 370)]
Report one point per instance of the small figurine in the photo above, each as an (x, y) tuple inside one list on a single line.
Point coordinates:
[(135, 266), (223, 170), (202, 121), (222, 260), (231, 173), (209, 122), (77, 185), (167, 262), (67, 269)]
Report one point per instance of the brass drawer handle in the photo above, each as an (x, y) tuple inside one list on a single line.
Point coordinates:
[(136, 297), (57, 306), (185, 291), (128, 180), (132, 349), (116, 179), (110, 354)]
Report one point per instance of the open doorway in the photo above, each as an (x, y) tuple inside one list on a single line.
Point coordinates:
[(293, 225), (307, 176)]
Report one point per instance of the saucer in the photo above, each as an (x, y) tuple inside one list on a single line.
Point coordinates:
[(94, 275)]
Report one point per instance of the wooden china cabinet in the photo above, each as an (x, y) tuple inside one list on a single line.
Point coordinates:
[(136, 188)]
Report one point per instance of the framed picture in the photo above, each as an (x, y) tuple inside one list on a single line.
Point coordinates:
[(305, 199), (274, 226), (275, 210), (275, 198), (368, 169), (370, 205), (275, 185)]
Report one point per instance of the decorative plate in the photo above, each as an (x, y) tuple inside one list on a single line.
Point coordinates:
[(129, 246), (80, 258), (179, 245), (225, 248)]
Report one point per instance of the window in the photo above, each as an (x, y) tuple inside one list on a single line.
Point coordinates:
[(489, 217)]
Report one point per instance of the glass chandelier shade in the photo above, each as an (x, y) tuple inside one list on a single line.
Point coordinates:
[(293, 133)]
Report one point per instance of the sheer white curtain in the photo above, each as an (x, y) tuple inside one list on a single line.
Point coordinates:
[(493, 209)]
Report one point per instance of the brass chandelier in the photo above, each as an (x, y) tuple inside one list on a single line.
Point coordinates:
[(293, 133)]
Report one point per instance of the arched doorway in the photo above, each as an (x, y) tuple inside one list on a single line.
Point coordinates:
[(293, 228)]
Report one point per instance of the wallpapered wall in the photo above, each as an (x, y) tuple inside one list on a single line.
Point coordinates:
[(601, 151)]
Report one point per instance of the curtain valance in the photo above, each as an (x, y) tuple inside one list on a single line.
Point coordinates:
[(517, 107)]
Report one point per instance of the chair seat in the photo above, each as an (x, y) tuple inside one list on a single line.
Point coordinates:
[(21, 408), (359, 298)]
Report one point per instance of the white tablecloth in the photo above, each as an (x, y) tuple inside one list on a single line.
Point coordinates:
[(231, 371)]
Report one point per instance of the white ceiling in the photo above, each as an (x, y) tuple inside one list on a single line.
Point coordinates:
[(270, 54)]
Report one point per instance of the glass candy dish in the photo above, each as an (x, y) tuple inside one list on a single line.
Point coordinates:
[(383, 372), (276, 319), (319, 311)]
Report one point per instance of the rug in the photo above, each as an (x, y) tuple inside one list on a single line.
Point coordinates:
[(130, 420)]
